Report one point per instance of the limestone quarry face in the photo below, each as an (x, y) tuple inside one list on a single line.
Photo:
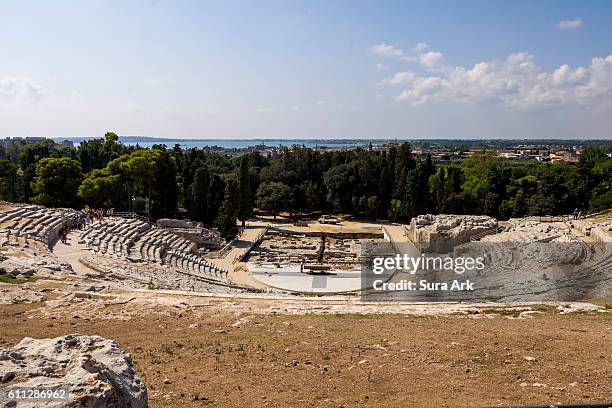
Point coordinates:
[(441, 233), (94, 371)]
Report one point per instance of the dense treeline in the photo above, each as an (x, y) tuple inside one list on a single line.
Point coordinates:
[(220, 189)]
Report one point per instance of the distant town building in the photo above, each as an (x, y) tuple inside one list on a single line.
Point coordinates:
[(9, 141), (66, 143), (562, 157)]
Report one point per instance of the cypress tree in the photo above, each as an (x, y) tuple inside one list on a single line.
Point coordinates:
[(200, 194), (246, 193), (228, 212)]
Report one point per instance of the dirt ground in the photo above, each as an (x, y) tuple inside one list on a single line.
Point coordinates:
[(226, 360)]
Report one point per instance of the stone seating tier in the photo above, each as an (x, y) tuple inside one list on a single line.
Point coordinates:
[(136, 242), (35, 222)]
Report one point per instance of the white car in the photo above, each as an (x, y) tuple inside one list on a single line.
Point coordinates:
[(328, 219)]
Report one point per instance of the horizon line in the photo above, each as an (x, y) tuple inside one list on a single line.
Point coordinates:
[(328, 139)]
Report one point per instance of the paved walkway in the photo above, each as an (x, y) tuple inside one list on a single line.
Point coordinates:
[(72, 251), (238, 272)]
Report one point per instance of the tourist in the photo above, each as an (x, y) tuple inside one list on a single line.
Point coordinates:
[(575, 213), (62, 234)]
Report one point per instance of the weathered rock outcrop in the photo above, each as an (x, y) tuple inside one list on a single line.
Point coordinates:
[(95, 371), (440, 233), (209, 238), (193, 231), (26, 267), (174, 223)]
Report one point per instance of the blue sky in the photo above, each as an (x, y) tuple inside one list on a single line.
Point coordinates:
[(307, 69)]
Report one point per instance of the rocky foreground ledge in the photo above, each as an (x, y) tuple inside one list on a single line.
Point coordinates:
[(93, 371)]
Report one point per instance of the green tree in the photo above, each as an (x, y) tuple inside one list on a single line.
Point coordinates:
[(228, 212), (519, 193), (96, 153), (104, 189), (446, 192), (340, 182), (165, 191), (9, 182), (384, 187), (141, 166), (217, 195), (404, 163), (200, 195), (145, 172), (56, 182), (112, 147), (315, 197), (246, 194), (603, 200), (274, 197), (600, 179), (28, 157)]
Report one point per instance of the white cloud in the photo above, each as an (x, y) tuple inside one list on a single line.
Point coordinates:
[(12, 88), (387, 50), (565, 75), (516, 81), (381, 67), (399, 78), (570, 24), (431, 60), (419, 48)]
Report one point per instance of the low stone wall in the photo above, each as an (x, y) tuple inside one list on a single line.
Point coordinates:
[(336, 235)]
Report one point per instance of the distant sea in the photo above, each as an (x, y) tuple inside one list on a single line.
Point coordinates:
[(148, 141), (233, 143)]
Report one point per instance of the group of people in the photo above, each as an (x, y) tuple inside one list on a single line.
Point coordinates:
[(94, 214), (84, 217)]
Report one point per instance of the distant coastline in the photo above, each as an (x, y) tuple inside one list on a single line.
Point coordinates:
[(148, 141)]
